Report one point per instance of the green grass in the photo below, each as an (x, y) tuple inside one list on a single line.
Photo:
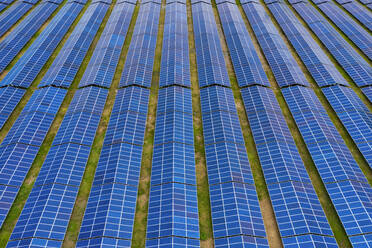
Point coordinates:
[(204, 206), (272, 230), (86, 184), (140, 219)]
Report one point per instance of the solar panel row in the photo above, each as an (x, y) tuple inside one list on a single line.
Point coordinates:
[(173, 210), (282, 63), (13, 14), (344, 181), (47, 211), (360, 13), (355, 116), (4, 4), (9, 98), (315, 60), (20, 146), (18, 38), (175, 62), (24, 72), (101, 68), (247, 66), (109, 216), (140, 58), (361, 38), (236, 216), (297, 209), (209, 56), (67, 63), (354, 65)]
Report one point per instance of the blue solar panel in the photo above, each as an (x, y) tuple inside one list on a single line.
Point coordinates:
[(215, 98), (18, 38), (52, 199), (12, 15), (175, 61), (9, 98), (356, 33), (336, 166), (112, 201), (7, 196), (297, 210), (247, 66), (316, 61), (140, 58), (367, 91), (354, 65), (66, 65), (174, 99), (354, 115), (282, 63), (360, 13), (209, 55), (102, 66), (241, 241), (173, 242), (24, 72)]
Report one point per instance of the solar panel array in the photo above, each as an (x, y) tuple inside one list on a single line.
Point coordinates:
[(18, 38), (361, 38), (231, 184), (316, 61), (173, 218), (355, 116), (101, 68), (20, 146), (13, 14), (353, 64), (247, 66), (46, 214), (296, 207), (67, 63), (140, 57), (344, 181), (24, 72), (175, 62), (209, 56), (109, 216), (282, 63), (4, 4), (359, 12)]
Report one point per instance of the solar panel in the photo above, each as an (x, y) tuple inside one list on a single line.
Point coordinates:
[(12, 15), (315, 60), (24, 72), (357, 34), (354, 65), (209, 56), (89, 100), (354, 115), (102, 66), (367, 91), (360, 13), (9, 98), (18, 38), (140, 58), (335, 164), (297, 210), (247, 66), (175, 61), (66, 65)]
